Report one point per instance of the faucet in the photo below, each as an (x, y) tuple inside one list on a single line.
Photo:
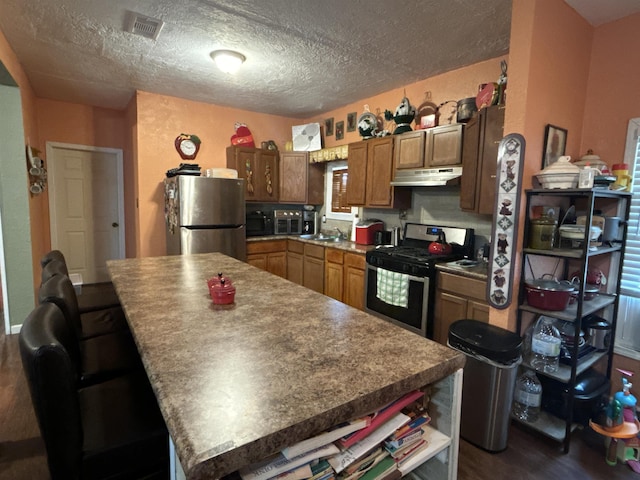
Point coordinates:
[(341, 235)]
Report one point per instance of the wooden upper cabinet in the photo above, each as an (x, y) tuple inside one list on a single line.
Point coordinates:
[(259, 168), (357, 166), (482, 138), (409, 150), (443, 146), (431, 148), (379, 172), (370, 173), (300, 181)]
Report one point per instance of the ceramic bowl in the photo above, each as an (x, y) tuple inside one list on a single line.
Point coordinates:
[(558, 180)]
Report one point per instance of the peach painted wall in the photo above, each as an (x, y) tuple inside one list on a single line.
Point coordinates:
[(551, 48), (613, 96), (454, 85), (160, 119), (38, 205)]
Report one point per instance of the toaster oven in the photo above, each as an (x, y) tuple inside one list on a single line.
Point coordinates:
[(287, 222)]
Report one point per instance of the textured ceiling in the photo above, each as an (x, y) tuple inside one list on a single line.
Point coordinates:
[(304, 57)]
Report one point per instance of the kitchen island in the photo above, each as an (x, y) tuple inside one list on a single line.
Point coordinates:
[(237, 383)]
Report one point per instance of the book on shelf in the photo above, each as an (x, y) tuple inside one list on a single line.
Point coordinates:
[(278, 464), (381, 470), (403, 455), (359, 468), (393, 445), (346, 457), (414, 425), (324, 438), (312, 471), (379, 418)]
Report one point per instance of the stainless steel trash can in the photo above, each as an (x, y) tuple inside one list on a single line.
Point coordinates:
[(493, 355)]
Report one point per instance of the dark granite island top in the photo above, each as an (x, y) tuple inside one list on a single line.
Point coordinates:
[(238, 383)]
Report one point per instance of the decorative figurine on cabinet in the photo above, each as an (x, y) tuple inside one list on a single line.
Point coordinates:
[(405, 114)]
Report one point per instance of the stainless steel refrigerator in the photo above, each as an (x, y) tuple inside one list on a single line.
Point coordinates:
[(204, 215)]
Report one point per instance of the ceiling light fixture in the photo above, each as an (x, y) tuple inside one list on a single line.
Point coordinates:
[(227, 60)]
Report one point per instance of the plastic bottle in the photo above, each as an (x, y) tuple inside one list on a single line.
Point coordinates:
[(545, 346), (527, 397), (626, 399)]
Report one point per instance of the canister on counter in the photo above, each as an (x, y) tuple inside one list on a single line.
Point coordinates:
[(543, 233)]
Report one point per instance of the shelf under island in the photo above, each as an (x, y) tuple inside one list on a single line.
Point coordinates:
[(238, 383)]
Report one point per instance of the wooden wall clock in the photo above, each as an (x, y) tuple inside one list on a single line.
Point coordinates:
[(187, 146)]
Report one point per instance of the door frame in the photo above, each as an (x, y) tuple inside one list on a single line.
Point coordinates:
[(51, 164)]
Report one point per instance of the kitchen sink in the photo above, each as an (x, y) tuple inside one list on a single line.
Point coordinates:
[(321, 237)]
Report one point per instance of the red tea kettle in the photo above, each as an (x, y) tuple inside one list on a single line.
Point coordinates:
[(440, 246)]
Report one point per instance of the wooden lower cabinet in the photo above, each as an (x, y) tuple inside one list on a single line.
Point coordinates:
[(295, 261), (333, 273), (354, 272), (457, 298), (270, 255), (313, 270)]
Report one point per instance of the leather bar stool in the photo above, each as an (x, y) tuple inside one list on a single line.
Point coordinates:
[(96, 296), (113, 430), (98, 358), (96, 322)]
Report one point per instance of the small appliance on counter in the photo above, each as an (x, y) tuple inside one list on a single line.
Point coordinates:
[(259, 223), (287, 222), (366, 231), (309, 222)]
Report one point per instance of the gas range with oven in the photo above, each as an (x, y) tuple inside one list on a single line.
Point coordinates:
[(400, 280)]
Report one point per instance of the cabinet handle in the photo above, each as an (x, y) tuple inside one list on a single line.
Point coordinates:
[(249, 176), (497, 142), (267, 175), (493, 176)]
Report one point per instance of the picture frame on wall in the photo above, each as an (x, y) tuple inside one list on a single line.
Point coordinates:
[(555, 142), (352, 118), (328, 127), (340, 130)]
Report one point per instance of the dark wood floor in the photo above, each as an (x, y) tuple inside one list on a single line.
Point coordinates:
[(528, 456)]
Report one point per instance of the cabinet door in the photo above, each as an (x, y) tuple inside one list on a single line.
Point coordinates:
[(266, 176), (470, 156), (443, 146), (313, 274), (277, 264), (379, 172), (244, 160), (357, 165), (258, 260), (409, 150), (333, 275), (489, 143), (294, 267), (449, 308), (293, 177), (478, 311), (354, 271)]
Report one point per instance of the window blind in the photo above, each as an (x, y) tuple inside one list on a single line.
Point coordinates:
[(631, 266)]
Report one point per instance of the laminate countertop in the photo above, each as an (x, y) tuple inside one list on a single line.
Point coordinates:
[(345, 245), (237, 383)]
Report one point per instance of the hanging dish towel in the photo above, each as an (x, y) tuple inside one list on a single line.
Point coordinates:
[(393, 288)]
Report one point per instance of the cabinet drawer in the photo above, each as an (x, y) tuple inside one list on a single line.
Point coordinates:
[(267, 246), (334, 256), (355, 260), (295, 246), (468, 287), (314, 251)]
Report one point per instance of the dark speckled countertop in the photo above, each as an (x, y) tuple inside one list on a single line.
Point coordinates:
[(237, 383)]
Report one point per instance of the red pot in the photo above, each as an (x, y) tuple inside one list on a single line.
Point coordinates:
[(548, 294)]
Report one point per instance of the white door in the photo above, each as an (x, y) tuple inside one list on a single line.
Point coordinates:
[(86, 207)]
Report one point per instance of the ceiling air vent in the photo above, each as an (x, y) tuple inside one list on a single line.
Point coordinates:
[(144, 26)]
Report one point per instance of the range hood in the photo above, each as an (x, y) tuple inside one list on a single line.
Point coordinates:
[(427, 177)]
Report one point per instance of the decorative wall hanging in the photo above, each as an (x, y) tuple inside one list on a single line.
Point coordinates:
[(339, 130), (328, 127), (505, 228), (351, 121), (555, 142), (307, 138)]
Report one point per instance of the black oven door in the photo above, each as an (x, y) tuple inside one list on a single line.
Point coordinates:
[(414, 317)]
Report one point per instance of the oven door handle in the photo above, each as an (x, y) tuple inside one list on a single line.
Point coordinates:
[(411, 277)]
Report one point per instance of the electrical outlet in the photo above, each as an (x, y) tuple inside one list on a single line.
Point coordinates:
[(403, 215)]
